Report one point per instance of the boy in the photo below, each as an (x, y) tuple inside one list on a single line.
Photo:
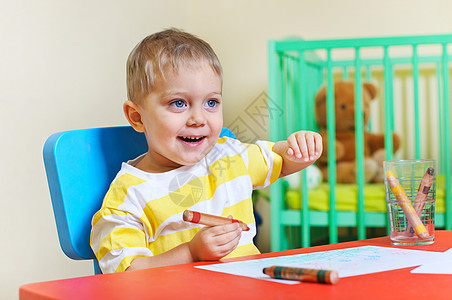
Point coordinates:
[(174, 83)]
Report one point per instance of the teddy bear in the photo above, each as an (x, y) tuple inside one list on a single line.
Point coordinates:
[(374, 151)]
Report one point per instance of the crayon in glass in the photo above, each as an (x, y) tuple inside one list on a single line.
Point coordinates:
[(211, 220), (302, 274), (422, 193), (406, 206)]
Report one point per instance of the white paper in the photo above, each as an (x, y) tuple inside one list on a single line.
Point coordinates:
[(347, 262), (441, 266)]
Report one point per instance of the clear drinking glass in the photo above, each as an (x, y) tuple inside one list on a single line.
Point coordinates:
[(410, 187)]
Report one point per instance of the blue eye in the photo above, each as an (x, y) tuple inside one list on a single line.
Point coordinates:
[(212, 103), (178, 103)]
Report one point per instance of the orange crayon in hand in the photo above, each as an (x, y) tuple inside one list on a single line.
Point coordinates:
[(406, 206), (210, 220), (302, 274)]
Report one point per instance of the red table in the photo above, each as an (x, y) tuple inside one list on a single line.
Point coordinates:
[(187, 282)]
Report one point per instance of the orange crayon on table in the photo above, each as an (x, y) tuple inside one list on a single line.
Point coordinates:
[(406, 206), (422, 193), (302, 274), (210, 220)]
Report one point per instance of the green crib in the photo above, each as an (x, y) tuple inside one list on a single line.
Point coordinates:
[(416, 67)]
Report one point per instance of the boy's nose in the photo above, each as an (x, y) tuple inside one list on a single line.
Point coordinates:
[(196, 119)]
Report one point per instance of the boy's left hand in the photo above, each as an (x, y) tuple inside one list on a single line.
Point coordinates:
[(304, 146), (300, 150)]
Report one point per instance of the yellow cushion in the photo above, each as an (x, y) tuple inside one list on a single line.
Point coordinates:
[(347, 197)]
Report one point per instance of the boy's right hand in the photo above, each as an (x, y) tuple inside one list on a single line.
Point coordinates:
[(213, 243)]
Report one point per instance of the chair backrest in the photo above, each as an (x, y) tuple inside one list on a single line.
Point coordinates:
[(80, 165)]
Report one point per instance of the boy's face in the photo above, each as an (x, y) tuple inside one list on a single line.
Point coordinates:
[(182, 118)]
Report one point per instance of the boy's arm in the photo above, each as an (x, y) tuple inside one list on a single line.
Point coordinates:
[(210, 243), (178, 255), (300, 150)]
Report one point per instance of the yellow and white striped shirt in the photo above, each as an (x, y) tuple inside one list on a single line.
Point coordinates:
[(141, 214)]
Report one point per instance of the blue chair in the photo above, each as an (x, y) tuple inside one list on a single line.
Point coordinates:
[(80, 165)]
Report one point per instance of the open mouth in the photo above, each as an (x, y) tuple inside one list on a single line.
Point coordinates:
[(191, 139)]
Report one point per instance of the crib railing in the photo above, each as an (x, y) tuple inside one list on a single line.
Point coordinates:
[(298, 68)]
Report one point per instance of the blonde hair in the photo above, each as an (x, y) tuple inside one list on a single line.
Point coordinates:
[(162, 52)]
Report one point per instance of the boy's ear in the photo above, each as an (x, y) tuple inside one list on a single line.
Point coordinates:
[(133, 115)]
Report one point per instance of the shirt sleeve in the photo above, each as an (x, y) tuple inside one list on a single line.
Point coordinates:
[(264, 165), (117, 236)]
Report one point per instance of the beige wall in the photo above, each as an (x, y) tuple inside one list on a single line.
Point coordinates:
[(62, 67)]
